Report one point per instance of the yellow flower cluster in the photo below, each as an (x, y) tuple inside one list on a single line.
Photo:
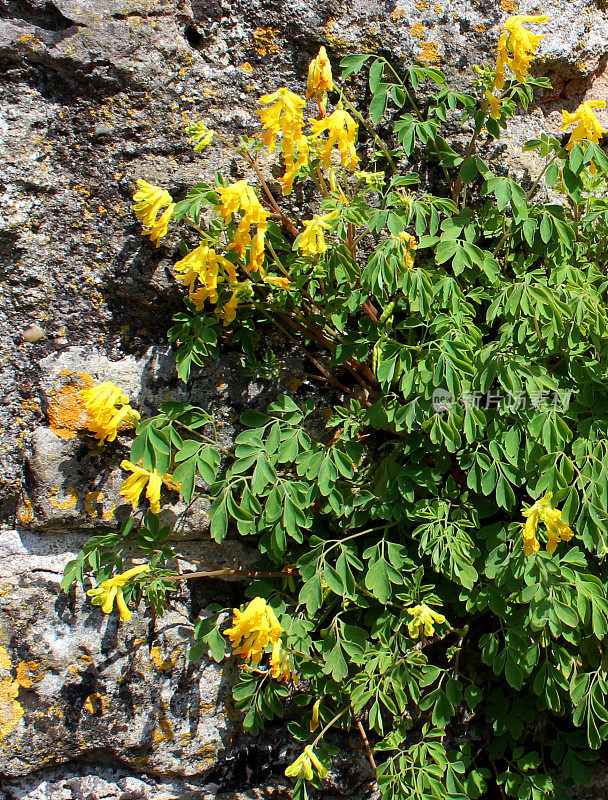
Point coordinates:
[(557, 530), (424, 620), (517, 47), (200, 273), (200, 135), (320, 79), (110, 590), (588, 126), (108, 410), (341, 131), (240, 197), (312, 240), (284, 115), (407, 244), (253, 630), (142, 478), (149, 199), (302, 767)]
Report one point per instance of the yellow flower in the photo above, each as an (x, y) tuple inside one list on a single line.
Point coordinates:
[(104, 419), (517, 47), (200, 135), (237, 197), (280, 283), (320, 79), (314, 720), (341, 131), (253, 630), (302, 767), (285, 115), (134, 485), (557, 530), (149, 199), (159, 228), (200, 273), (111, 589), (494, 105), (312, 241), (588, 127), (407, 243), (336, 188), (425, 618)]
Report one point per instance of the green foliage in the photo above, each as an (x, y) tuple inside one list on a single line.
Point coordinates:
[(462, 333)]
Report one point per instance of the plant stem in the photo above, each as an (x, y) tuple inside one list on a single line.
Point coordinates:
[(329, 725), (370, 130)]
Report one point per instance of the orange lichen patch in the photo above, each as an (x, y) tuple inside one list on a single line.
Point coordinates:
[(70, 498), (480, 27), (5, 660), (92, 501), (96, 704), (398, 12), (164, 731), (265, 40), (509, 5), (164, 663), (417, 30), (428, 53), (66, 412), (28, 673), (246, 67), (208, 755), (25, 512), (422, 5)]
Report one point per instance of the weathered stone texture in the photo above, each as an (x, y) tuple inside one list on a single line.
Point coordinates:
[(94, 94)]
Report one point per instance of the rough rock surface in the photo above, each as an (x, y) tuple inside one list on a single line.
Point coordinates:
[(94, 94)]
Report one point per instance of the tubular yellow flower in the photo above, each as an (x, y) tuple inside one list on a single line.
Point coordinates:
[(423, 618), (104, 419), (517, 47), (341, 131), (320, 79), (159, 228), (588, 127), (407, 244), (149, 199), (237, 197), (302, 767), (134, 485), (200, 135), (110, 590), (312, 241), (314, 720), (253, 630), (199, 271), (557, 530), (494, 105), (280, 283), (285, 115)]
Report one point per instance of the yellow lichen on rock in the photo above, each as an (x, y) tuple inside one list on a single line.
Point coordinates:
[(11, 710), (417, 30), (265, 40), (66, 412), (96, 704), (164, 663), (28, 673), (70, 498), (429, 53)]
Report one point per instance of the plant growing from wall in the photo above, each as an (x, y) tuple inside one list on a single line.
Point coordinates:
[(432, 555)]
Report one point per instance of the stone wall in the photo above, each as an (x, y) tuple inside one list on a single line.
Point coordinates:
[(94, 95)]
